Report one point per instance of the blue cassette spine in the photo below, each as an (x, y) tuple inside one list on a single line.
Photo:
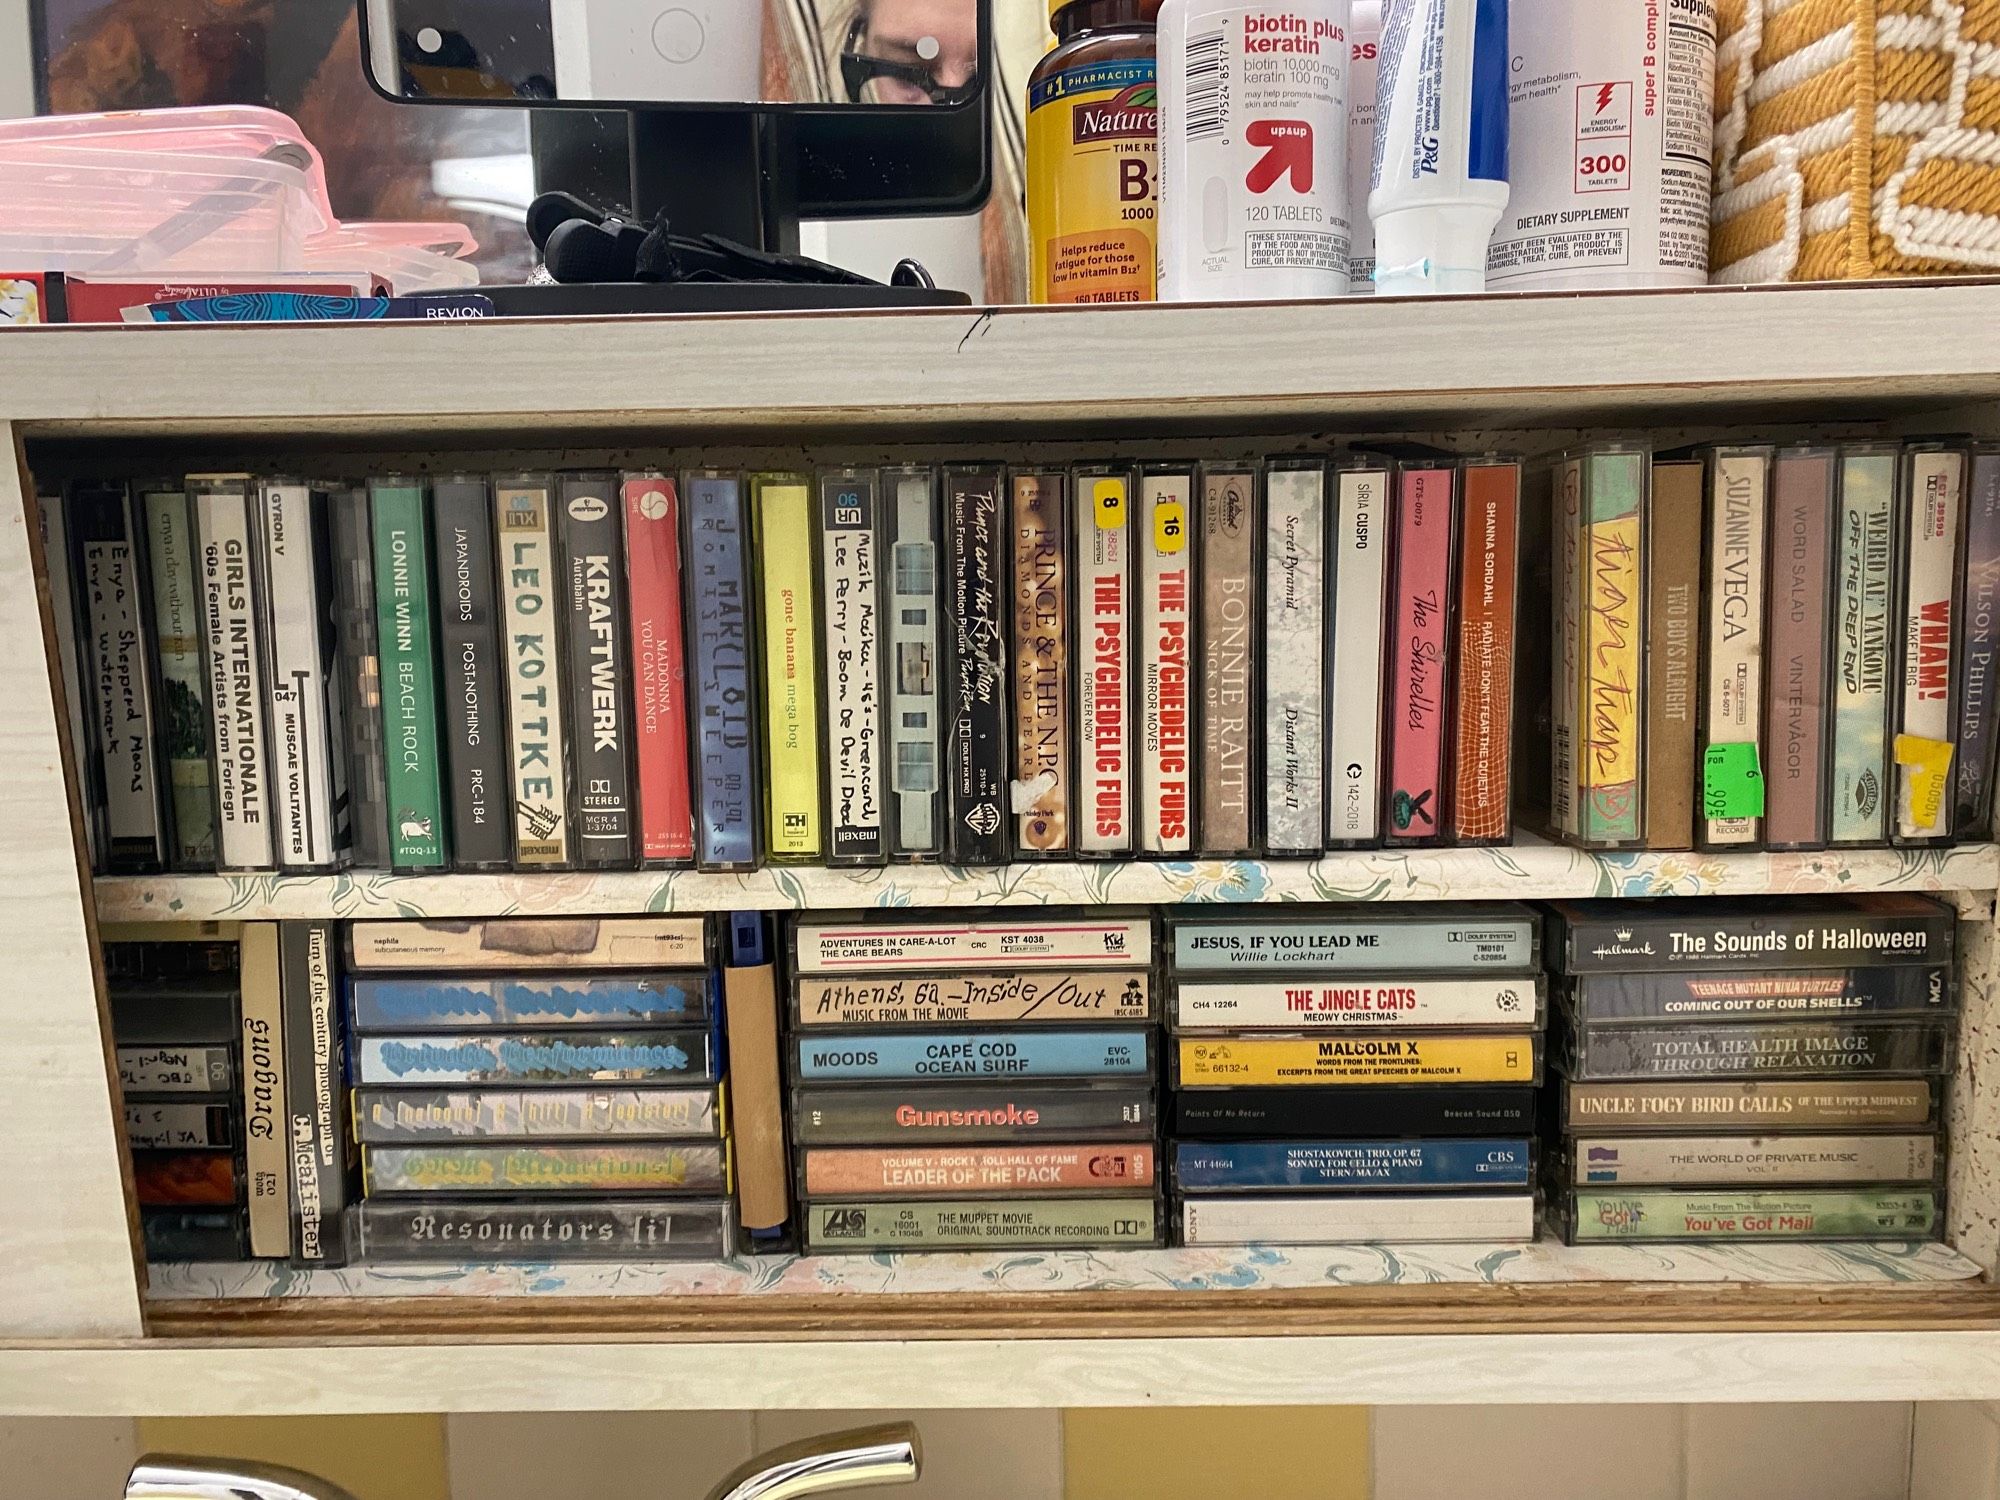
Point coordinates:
[(720, 692), (451, 1003), (534, 1058), (975, 1054), (1205, 1167)]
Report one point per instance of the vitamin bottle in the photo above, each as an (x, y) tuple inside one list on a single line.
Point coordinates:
[(1093, 155)]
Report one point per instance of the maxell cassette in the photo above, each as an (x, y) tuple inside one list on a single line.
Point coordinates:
[(518, 1169), (536, 1057), (927, 1171), (1080, 997), (846, 1116), (1069, 1223), (1759, 1049), (1330, 1166), (515, 943), (1728, 1160), (165, 1069), (891, 943), (1760, 1105), (922, 1056), (1664, 1215), (1267, 1061), (1364, 1003), (850, 629), (457, 1003), (398, 1115), (1396, 1218), (559, 1230), (1356, 939)]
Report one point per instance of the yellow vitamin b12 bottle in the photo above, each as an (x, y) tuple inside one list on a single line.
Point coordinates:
[(1093, 155)]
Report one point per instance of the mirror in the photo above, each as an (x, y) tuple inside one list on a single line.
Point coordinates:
[(881, 54)]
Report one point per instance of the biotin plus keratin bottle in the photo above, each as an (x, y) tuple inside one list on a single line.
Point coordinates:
[(1092, 155)]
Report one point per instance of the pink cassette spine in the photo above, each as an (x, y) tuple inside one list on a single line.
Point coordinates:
[(1418, 666)]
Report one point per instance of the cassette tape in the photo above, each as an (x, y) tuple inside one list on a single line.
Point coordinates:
[(1665, 1215), (683, 1057), (453, 1003), (558, 1230), (1753, 1161), (923, 1056), (954, 1171), (1361, 1219), (393, 1116), (1069, 1223), (1363, 1004), (637, 1168), (1763, 1105), (1332, 1166), (1079, 997), (517, 943), (977, 1112), (1289, 1061), (1758, 1049)]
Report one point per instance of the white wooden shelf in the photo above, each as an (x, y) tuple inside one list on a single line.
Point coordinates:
[(1531, 869), (1491, 360)]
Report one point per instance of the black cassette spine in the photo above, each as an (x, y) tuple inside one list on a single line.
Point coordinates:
[(1763, 994), (600, 715), (53, 518), (976, 743), (561, 1230), (850, 550), (469, 642), (721, 693), (360, 678), (1630, 939), (117, 656), (315, 1092), (1416, 1110)]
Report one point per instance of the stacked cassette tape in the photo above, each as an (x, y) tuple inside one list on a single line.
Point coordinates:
[(176, 1028), (1753, 1071), (1759, 647), (1356, 1074), (538, 1089), (968, 1085)]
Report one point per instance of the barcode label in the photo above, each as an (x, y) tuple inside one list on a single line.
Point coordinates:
[(916, 768), (1207, 86)]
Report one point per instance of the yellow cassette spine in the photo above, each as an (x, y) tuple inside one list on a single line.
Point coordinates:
[(782, 505), (1253, 1061)]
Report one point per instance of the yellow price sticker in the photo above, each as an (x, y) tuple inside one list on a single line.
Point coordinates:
[(1169, 526), (1108, 500), (1930, 764)]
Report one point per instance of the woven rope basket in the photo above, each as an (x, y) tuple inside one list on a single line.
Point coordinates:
[(1856, 138)]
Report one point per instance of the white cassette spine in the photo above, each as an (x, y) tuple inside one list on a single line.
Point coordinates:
[(1405, 1218), (1936, 504), (302, 779), (913, 666), (1736, 525), (1354, 711), (1294, 660), (530, 598), (1103, 685), (849, 595), (1364, 1004), (1641, 1160), (235, 678), (887, 948), (1165, 659)]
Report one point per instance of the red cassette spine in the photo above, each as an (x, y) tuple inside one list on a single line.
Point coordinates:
[(659, 662), (1419, 660)]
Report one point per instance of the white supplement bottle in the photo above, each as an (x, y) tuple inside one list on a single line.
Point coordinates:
[(1609, 104), (1253, 150)]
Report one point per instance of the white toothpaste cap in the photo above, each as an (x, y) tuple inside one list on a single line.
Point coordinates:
[(1433, 248)]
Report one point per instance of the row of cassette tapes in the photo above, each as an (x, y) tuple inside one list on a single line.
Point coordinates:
[(1773, 647), (984, 1084), (1763, 1072), (1353, 1074), (969, 662)]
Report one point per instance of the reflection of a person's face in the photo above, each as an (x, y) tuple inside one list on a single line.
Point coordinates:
[(940, 36)]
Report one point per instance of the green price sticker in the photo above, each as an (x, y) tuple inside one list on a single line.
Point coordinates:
[(1732, 786)]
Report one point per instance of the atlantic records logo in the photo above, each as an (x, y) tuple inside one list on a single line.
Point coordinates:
[(984, 819), (588, 508), (652, 505), (845, 1224)]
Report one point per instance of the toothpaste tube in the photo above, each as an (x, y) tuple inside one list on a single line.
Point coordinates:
[(1440, 163)]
